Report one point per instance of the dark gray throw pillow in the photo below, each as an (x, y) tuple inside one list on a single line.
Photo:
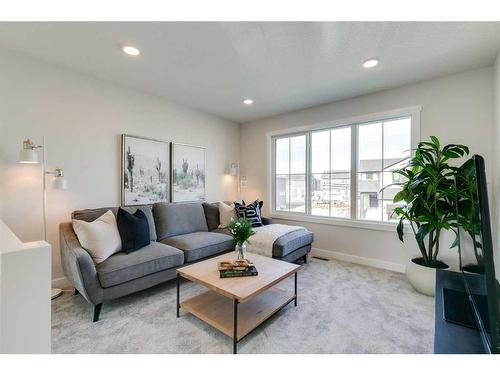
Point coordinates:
[(133, 229), (212, 215)]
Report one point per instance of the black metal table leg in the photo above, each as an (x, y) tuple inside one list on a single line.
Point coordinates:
[(178, 294), (235, 326), (295, 288)]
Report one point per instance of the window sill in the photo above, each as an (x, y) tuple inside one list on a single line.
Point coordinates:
[(360, 224)]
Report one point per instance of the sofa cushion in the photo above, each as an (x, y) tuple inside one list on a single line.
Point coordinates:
[(148, 211), (200, 245), (222, 230), (172, 219), (291, 242), (122, 267), (212, 215)]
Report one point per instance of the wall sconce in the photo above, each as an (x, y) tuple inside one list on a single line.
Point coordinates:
[(243, 182), (234, 169), (29, 155)]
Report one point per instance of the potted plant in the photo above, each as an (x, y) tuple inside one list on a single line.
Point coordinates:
[(241, 230), (428, 196), (468, 214)]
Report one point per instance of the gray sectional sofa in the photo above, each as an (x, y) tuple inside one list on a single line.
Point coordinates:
[(180, 234)]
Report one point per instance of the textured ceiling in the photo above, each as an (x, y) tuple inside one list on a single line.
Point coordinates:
[(283, 66)]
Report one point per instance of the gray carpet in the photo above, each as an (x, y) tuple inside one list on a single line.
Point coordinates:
[(343, 308)]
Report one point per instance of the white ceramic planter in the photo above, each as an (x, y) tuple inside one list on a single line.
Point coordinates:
[(422, 278)]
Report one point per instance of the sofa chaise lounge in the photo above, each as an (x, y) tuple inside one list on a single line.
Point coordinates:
[(180, 234)]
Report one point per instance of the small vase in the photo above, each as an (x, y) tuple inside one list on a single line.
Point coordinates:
[(241, 251)]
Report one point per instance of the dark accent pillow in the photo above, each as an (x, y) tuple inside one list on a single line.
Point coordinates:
[(261, 203), (212, 215), (250, 212), (133, 229), (148, 211)]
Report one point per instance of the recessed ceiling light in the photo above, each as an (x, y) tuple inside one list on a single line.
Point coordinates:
[(132, 51), (247, 101), (370, 63)]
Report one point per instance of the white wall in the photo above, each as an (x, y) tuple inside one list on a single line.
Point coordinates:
[(457, 108), (82, 119)]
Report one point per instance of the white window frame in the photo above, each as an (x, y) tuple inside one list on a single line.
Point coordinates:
[(413, 112)]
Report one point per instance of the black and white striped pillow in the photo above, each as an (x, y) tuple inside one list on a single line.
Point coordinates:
[(250, 212)]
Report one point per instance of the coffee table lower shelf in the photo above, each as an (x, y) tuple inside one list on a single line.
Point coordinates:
[(217, 310)]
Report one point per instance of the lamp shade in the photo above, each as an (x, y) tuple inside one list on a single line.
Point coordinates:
[(243, 182), (28, 156), (60, 183)]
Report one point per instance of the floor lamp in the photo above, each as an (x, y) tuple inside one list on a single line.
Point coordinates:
[(234, 170), (29, 155)]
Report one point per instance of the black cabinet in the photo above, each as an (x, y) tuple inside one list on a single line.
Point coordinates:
[(450, 338)]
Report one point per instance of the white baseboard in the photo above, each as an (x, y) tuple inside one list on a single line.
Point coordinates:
[(61, 282), (329, 254)]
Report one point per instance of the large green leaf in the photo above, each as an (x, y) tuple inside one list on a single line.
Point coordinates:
[(400, 230), (435, 141), (400, 196)]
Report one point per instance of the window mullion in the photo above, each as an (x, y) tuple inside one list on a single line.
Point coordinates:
[(382, 177), (354, 171), (330, 174), (308, 175), (289, 173), (273, 174)]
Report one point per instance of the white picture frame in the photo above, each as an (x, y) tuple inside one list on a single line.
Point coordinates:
[(145, 171), (188, 165)]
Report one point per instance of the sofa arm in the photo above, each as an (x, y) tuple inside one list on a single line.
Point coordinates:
[(78, 265), (266, 220)]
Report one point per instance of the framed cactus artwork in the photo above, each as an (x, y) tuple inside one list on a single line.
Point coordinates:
[(145, 172), (188, 173)]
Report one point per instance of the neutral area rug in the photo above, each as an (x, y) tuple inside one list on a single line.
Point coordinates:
[(343, 308)]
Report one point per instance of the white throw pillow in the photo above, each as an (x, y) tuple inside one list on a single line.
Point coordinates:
[(226, 213), (99, 237)]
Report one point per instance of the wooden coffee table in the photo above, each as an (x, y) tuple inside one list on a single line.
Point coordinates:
[(236, 306)]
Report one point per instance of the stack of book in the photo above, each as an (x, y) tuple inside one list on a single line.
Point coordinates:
[(236, 268)]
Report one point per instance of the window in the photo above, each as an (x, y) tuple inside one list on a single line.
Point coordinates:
[(331, 172), (343, 171), (290, 178), (382, 148)]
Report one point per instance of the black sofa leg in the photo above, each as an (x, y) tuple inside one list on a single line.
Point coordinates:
[(97, 312), (304, 258), (76, 292)]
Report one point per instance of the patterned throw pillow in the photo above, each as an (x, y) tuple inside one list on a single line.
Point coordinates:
[(251, 212)]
